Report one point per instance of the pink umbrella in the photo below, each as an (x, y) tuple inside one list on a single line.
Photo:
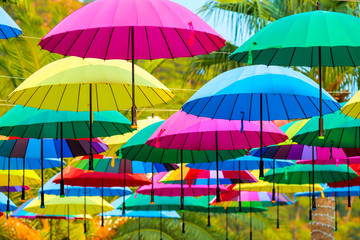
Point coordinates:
[(188, 132), (174, 190), (137, 29)]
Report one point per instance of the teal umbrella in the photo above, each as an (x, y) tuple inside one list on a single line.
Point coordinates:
[(312, 39), (28, 122)]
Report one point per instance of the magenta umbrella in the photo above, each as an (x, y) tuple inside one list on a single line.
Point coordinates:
[(174, 190), (188, 132), (137, 29)]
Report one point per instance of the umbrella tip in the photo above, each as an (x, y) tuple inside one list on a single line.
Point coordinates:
[(349, 207), (273, 201), (134, 126), (261, 178), (321, 137), (62, 196), (152, 202)]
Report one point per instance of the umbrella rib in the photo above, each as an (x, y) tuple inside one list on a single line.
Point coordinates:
[(332, 59), (42, 126), (352, 60), (311, 100), (146, 96), (72, 44), (97, 97), (250, 106), (124, 125), (282, 100), (218, 106), (12, 29), (205, 106), (97, 30), (206, 34), (273, 56), (112, 92), (172, 139), (325, 103), (232, 110), (78, 100), (73, 127), (45, 96), (59, 42), (197, 100), (312, 57), (148, 43), (128, 51), (292, 56), (4, 34), (162, 33), (108, 45), (267, 107), (62, 95), (171, 97), (247, 139), (184, 42), (295, 96), (203, 45), (102, 125), (28, 98)]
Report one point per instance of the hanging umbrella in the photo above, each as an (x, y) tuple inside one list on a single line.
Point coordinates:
[(305, 39), (115, 142), (259, 93), (67, 85), (6, 204), (146, 30), (8, 27)]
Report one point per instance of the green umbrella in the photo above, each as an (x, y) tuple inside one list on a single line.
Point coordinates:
[(136, 149), (299, 40), (302, 174), (28, 122)]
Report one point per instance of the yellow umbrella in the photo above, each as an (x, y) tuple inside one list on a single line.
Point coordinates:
[(115, 142), (16, 178), (352, 107), (76, 84)]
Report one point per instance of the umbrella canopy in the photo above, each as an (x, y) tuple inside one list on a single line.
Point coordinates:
[(13, 188), (246, 162), (236, 94), (8, 27), (348, 182), (78, 177), (28, 122), (337, 161), (21, 213), (351, 108), (3, 203), (191, 177), (17, 163), (337, 126), (116, 165), (143, 214), (189, 132), (302, 174), (295, 41), (159, 29), (115, 142), (52, 188), (174, 190), (31, 148), (55, 205), (232, 198), (66, 85), (18, 177), (331, 192), (137, 149)]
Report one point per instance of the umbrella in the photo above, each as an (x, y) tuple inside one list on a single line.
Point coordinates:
[(67, 85), (115, 142), (8, 27), (69, 206), (259, 93), (13, 188), (146, 30), (305, 39), (6, 204)]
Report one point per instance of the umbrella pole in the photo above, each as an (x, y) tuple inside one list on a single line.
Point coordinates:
[(208, 208), (217, 169), (321, 121), (123, 205), (102, 202), (160, 224), (182, 207), (227, 224), (152, 200), (310, 212), (348, 180), (85, 230), (250, 222), (139, 233), (278, 210), (261, 174), (336, 224), (313, 180), (8, 190), (23, 183), (133, 108), (91, 159), (42, 205), (183, 222), (240, 208), (62, 189)]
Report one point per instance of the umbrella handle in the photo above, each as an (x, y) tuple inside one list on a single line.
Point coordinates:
[(23, 183), (183, 223)]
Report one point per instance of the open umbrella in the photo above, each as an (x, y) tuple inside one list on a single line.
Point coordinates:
[(259, 93), (74, 84), (147, 29), (8, 27), (305, 39)]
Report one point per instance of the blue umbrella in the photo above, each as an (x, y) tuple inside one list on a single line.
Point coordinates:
[(242, 163), (6, 204), (52, 188), (8, 28), (139, 214), (28, 163), (260, 93)]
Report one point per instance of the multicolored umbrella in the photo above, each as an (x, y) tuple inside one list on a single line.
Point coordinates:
[(68, 85), (8, 27), (146, 30), (259, 93), (305, 39)]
